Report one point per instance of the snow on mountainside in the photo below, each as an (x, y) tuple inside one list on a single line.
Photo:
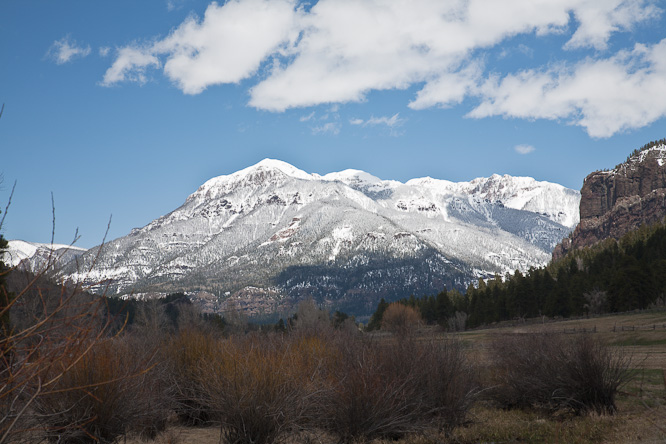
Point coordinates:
[(271, 234), (34, 256)]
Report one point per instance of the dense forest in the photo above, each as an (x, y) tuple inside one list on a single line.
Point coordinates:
[(611, 276)]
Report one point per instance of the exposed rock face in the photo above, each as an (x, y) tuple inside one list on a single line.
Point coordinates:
[(621, 200)]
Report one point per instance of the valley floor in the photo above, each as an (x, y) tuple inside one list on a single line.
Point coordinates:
[(641, 416)]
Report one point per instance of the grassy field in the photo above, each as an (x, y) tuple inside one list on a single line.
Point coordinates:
[(641, 415)]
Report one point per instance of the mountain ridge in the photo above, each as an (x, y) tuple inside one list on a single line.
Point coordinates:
[(271, 234)]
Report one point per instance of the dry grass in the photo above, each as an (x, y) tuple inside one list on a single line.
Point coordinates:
[(242, 368)]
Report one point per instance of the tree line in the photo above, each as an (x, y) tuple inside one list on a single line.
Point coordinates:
[(611, 276)]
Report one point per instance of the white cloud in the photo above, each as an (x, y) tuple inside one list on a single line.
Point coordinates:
[(524, 149), (66, 49), (599, 19), (130, 65), (308, 117), (350, 47), (226, 46), (391, 122), (173, 5), (104, 51), (340, 50), (605, 96), (327, 128)]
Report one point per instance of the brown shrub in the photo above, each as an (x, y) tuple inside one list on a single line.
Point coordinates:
[(109, 392), (388, 390), (52, 330), (400, 319), (554, 372), (261, 387), (184, 354)]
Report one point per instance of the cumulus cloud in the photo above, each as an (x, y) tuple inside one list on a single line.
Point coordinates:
[(226, 46), (350, 47), (598, 20), (130, 64), (605, 96), (66, 49), (523, 149), (338, 51)]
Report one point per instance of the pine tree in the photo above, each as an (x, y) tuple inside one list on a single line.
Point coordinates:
[(376, 319)]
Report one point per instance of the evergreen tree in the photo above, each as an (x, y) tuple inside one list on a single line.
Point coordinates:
[(376, 319)]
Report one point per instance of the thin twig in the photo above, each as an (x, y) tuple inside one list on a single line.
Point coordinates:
[(9, 201)]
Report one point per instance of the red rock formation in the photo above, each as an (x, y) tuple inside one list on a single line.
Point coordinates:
[(618, 201)]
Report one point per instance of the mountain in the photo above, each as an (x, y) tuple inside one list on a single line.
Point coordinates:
[(618, 201), (33, 256), (271, 234)]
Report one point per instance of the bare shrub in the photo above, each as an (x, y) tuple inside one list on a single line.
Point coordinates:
[(458, 321), (446, 379), (184, 353), (311, 319), (596, 301), (104, 395), (260, 387), (400, 319), (389, 390), (556, 372), (54, 331)]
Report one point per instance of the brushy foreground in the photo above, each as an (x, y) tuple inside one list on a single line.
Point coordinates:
[(97, 383)]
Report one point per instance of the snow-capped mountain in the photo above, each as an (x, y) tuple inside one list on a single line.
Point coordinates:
[(35, 256), (271, 234)]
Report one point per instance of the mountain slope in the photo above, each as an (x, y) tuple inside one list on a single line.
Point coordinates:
[(271, 234), (34, 257)]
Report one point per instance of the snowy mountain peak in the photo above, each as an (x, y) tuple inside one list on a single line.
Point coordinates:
[(352, 176), (268, 172), (37, 255), (349, 237), (279, 165)]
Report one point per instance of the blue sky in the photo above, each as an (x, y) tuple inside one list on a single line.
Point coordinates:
[(124, 108)]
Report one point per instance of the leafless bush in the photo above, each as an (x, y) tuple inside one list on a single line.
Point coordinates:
[(109, 392), (261, 387), (596, 301), (446, 380), (388, 390), (400, 319), (184, 353), (310, 319), (57, 331), (458, 321), (556, 372)]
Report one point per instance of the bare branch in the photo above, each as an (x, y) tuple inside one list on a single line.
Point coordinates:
[(9, 201)]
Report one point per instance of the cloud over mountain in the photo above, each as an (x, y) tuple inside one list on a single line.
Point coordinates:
[(339, 51)]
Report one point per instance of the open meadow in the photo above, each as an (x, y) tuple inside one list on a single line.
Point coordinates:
[(640, 338)]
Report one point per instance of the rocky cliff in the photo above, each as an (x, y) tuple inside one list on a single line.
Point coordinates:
[(620, 200)]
